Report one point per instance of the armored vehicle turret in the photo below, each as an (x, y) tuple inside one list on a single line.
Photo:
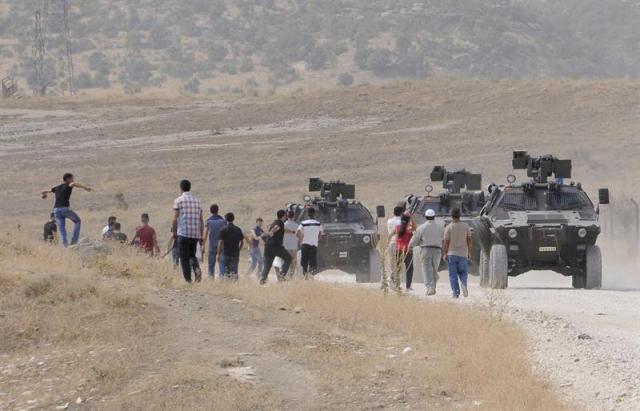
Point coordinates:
[(351, 231), (542, 224), (470, 201)]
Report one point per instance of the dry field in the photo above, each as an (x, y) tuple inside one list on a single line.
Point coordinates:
[(123, 333)]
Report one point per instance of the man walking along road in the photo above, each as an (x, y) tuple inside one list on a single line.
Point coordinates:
[(257, 261), (62, 208), (187, 229), (146, 237), (429, 237), (229, 245), (50, 229), (274, 248), (457, 251), (214, 226), (309, 233), (291, 242)]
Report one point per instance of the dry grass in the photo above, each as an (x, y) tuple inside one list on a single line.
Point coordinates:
[(473, 355)]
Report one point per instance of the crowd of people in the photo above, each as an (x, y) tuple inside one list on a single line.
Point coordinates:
[(191, 235), (282, 240)]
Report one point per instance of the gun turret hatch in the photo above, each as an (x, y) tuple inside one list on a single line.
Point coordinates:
[(454, 181), (541, 168), (332, 190)]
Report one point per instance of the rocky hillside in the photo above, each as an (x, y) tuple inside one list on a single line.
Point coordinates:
[(243, 46)]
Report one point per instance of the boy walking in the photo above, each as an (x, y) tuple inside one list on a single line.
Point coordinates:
[(214, 226), (229, 246)]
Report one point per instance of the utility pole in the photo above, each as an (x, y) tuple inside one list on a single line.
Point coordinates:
[(67, 38), (39, 50)]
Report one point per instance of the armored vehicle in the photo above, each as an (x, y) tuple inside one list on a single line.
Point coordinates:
[(470, 201), (541, 224), (351, 232)]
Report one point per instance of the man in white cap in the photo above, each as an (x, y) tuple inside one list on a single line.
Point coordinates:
[(429, 237)]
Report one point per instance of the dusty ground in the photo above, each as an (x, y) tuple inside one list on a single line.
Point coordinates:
[(252, 156)]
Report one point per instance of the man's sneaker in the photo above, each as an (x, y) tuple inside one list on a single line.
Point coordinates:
[(455, 296), (431, 291), (263, 281), (198, 275), (465, 292)]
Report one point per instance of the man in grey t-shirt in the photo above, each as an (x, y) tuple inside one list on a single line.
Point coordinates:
[(291, 242), (457, 251)]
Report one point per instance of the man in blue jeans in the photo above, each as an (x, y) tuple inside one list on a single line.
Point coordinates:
[(213, 226), (456, 252), (62, 209)]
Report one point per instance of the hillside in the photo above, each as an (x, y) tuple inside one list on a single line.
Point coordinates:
[(249, 46)]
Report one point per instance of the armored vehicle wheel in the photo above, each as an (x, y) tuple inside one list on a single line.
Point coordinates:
[(578, 280), (594, 268), (483, 268), (498, 267)]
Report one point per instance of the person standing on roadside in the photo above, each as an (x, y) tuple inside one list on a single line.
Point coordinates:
[(50, 229), (62, 208), (291, 242), (146, 238), (229, 245), (187, 229), (108, 229), (255, 236), (309, 233), (214, 226), (274, 248), (456, 252), (429, 237), (403, 253)]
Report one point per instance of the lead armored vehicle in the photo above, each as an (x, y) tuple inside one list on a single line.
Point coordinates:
[(470, 202), (351, 231), (542, 224)]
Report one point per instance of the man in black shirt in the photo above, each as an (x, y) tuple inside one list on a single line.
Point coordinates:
[(50, 229), (275, 248), (62, 209), (231, 242)]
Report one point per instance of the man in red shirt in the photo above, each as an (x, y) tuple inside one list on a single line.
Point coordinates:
[(146, 237)]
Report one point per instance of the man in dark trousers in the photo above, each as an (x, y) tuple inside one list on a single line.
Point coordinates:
[(62, 208), (275, 248), (309, 232), (188, 230), (229, 245), (213, 227), (50, 229)]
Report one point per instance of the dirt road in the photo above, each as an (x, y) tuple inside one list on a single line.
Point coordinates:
[(586, 342)]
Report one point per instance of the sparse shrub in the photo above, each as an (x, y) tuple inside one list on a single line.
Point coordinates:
[(345, 79)]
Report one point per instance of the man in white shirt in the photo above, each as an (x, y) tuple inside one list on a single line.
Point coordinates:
[(309, 233), (291, 243), (429, 237)]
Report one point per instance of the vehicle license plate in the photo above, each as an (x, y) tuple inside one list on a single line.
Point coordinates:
[(548, 249), (343, 254)]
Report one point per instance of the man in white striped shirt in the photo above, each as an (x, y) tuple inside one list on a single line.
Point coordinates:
[(309, 233)]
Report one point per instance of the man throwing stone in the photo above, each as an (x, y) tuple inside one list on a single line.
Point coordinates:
[(429, 237), (274, 248), (187, 230), (62, 208), (457, 251)]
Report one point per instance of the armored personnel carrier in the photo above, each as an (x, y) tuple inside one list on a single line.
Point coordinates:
[(351, 232), (470, 201), (541, 224)]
